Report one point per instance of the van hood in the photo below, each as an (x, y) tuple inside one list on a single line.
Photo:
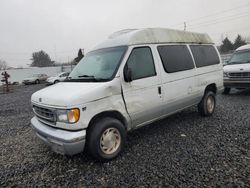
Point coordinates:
[(70, 94), (237, 68)]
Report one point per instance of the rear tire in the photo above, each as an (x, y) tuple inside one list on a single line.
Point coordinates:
[(226, 90), (106, 139), (37, 81), (208, 103)]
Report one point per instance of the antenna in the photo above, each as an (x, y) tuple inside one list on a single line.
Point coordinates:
[(185, 26)]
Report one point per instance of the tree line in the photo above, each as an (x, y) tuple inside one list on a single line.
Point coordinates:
[(42, 59), (228, 46)]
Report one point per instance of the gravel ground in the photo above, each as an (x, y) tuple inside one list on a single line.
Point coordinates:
[(183, 150)]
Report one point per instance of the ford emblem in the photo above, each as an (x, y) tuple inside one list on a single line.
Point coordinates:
[(241, 69)]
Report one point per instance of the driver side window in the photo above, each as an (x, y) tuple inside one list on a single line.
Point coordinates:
[(141, 63)]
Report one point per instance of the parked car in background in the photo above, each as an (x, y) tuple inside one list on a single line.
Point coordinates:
[(58, 78), (237, 70), (132, 79), (35, 79)]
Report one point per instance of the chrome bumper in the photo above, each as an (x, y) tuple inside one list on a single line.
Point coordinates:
[(60, 141)]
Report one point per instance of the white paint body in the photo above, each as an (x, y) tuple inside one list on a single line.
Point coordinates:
[(58, 78), (139, 101), (238, 75)]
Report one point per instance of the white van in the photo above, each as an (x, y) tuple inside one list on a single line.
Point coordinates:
[(133, 78), (237, 69)]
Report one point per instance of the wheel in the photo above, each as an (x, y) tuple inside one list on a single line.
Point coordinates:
[(37, 81), (56, 81), (226, 90), (207, 105), (106, 139)]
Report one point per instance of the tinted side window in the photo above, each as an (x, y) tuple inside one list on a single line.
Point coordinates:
[(175, 58), (204, 55), (141, 63)]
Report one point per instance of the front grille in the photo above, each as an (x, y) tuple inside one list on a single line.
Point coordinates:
[(44, 113), (239, 75)]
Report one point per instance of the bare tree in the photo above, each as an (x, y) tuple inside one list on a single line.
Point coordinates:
[(3, 65)]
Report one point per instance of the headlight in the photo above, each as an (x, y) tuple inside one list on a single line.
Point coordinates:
[(68, 116), (225, 74)]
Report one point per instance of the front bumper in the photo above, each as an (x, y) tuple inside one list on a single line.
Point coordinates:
[(236, 83), (60, 141)]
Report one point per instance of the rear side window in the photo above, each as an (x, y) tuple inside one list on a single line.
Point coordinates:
[(141, 63), (175, 58), (204, 55)]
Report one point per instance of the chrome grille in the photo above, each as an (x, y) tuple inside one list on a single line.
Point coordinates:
[(239, 75), (44, 113)]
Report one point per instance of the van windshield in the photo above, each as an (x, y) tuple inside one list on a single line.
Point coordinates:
[(99, 65), (240, 58)]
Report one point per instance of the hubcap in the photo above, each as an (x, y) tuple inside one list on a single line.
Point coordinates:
[(210, 104), (110, 140)]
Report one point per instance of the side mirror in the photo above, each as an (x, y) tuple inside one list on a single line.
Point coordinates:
[(128, 74)]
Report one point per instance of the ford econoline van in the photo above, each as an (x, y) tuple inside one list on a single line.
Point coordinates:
[(237, 69), (133, 78)]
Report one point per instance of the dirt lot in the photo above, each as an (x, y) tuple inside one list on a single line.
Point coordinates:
[(183, 150)]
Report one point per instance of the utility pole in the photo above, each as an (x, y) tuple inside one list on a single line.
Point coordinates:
[(185, 26)]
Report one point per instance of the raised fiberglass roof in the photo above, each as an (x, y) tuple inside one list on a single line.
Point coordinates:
[(245, 47), (153, 35)]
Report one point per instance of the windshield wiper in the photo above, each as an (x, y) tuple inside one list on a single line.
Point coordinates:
[(234, 62), (86, 76), (92, 77)]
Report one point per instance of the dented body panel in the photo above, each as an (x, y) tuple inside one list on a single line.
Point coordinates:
[(90, 98)]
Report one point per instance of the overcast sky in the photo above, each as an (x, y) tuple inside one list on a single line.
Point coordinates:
[(61, 27)]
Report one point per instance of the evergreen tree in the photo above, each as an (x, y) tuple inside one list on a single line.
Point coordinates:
[(79, 57), (226, 46), (238, 42)]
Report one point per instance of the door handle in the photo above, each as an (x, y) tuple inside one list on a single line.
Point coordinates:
[(159, 90)]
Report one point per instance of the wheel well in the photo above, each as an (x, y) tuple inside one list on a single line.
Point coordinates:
[(112, 114), (211, 87)]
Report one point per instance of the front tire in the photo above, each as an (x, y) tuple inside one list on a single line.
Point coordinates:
[(37, 82), (207, 105), (106, 139), (56, 81), (226, 90)]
